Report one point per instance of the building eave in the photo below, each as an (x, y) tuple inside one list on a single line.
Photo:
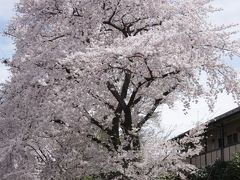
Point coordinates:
[(219, 119)]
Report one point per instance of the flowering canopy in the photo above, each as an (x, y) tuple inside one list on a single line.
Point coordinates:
[(88, 74)]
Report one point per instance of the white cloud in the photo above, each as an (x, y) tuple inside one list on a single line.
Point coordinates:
[(229, 15), (199, 112), (4, 73)]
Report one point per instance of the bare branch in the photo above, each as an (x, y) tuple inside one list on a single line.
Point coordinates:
[(57, 37), (95, 122), (36, 151)]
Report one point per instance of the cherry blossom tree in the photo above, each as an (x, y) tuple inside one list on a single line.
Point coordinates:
[(88, 75)]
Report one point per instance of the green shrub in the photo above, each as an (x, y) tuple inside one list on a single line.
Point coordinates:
[(168, 177), (220, 170)]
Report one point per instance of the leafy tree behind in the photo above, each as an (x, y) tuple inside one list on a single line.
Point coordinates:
[(220, 170)]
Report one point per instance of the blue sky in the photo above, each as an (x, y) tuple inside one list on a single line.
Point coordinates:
[(6, 11), (173, 117), (6, 44)]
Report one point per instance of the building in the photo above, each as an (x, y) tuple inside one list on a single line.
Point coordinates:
[(222, 139)]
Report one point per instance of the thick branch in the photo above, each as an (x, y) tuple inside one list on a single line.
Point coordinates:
[(76, 12), (57, 37), (150, 170), (121, 107), (125, 85), (98, 141), (116, 27), (170, 73), (115, 127), (110, 23), (95, 122), (127, 124), (149, 80), (132, 100), (154, 107), (115, 93), (102, 100), (150, 113), (39, 155), (149, 69), (145, 28)]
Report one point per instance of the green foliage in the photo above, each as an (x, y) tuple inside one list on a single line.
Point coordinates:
[(212, 172), (87, 178), (169, 176), (220, 170), (233, 169)]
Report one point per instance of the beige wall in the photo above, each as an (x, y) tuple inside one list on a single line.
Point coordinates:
[(212, 139), (210, 157), (231, 128), (213, 147), (214, 135)]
